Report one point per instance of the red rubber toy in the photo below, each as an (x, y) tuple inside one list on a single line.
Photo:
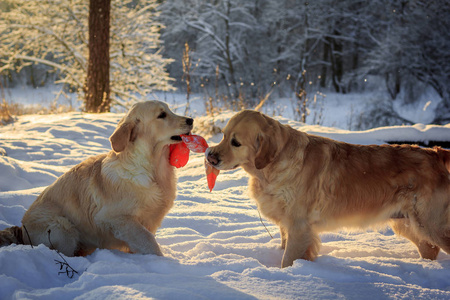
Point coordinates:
[(179, 155)]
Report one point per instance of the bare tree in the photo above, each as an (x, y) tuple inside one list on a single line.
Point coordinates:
[(97, 89)]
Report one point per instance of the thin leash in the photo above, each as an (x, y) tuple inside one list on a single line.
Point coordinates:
[(29, 239), (260, 218)]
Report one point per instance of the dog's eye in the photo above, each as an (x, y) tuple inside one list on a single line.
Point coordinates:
[(235, 143), (162, 115)]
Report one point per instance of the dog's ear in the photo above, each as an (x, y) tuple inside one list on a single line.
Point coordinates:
[(125, 132), (266, 149)]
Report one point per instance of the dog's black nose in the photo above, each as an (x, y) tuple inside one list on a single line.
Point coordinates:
[(213, 159), (189, 121)]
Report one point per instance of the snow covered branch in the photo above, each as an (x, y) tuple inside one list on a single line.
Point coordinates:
[(54, 34)]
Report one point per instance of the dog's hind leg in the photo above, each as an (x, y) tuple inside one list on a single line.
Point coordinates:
[(58, 234), (430, 221), (404, 228), (444, 241), (439, 217), (441, 234)]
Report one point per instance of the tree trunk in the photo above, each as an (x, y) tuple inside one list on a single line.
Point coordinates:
[(337, 64), (393, 89), (228, 53), (323, 76), (97, 83)]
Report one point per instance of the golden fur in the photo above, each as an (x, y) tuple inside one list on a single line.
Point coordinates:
[(115, 200), (307, 184)]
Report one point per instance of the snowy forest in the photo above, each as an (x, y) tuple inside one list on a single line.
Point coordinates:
[(310, 45), (237, 52)]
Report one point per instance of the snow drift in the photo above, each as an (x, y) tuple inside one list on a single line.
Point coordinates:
[(214, 244)]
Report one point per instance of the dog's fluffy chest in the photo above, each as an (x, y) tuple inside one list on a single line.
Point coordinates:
[(151, 186), (272, 202)]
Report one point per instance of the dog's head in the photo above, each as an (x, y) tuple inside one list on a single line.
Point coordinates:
[(250, 138), (151, 122)]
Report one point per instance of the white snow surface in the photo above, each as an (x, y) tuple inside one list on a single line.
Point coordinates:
[(214, 244)]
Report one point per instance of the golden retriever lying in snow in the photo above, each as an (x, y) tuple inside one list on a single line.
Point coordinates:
[(308, 184), (115, 200)]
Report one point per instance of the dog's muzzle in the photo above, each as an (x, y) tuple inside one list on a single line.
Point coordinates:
[(211, 157)]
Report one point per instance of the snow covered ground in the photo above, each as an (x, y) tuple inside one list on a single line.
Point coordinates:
[(214, 244)]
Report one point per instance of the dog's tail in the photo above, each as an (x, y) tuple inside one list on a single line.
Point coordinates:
[(11, 235)]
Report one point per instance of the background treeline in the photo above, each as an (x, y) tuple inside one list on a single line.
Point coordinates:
[(237, 51), (246, 49)]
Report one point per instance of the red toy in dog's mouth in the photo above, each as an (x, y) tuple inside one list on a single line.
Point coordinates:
[(179, 155), (178, 137), (211, 175)]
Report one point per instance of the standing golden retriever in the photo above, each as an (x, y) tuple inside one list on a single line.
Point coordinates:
[(115, 200), (308, 184)]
